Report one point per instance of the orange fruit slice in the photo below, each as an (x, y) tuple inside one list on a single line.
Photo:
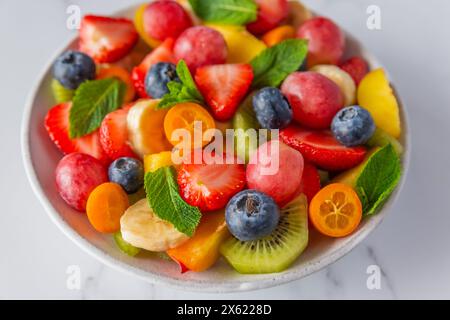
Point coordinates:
[(336, 210), (191, 117), (105, 206)]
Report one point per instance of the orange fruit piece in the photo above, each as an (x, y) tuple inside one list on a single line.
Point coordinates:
[(192, 117), (105, 206), (336, 210), (279, 34), (112, 71), (202, 250)]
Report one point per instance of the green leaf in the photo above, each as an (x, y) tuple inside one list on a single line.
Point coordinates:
[(274, 64), (238, 12), (378, 179), (93, 100), (162, 194), (181, 92)]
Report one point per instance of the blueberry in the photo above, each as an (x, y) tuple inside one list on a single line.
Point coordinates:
[(272, 109), (158, 77), (72, 68), (353, 126), (128, 172), (251, 215)]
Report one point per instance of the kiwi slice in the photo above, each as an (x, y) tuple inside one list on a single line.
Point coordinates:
[(245, 119), (380, 138), (124, 246), (276, 252), (60, 93)]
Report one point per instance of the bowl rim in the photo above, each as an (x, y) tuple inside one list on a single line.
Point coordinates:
[(194, 285)]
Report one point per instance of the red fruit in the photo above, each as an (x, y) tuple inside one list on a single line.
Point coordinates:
[(310, 183), (107, 39), (165, 19), (356, 67), (114, 134), (326, 41), (314, 99), (77, 174), (224, 86), (163, 53), (201, 46), (322, 149), (270, 14), (57, 125), (210, 186), (275, 169)]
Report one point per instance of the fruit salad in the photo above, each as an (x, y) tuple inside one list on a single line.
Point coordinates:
[(204, 131)]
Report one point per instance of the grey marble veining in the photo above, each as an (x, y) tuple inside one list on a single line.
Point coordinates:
[(410, 247)]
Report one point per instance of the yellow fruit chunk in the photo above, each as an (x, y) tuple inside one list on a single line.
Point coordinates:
[(202, 250), (153, 162), (145, 128), (139, 25), (242, 45), (376, 95)]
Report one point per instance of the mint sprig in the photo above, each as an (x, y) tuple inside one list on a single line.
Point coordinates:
[(378, 179), (181, 92), (274, 64), (237, 12), (93, 100), (162, 194)]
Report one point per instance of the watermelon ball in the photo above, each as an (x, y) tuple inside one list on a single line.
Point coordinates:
[(77, 174), (201, 46), (326, 41), (270, 14), (314, 99), (165, 19)]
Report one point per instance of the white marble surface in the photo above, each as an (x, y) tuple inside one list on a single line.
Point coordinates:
[(411, 246)]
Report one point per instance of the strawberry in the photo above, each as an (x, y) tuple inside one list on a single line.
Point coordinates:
[(322, 149), (356, 67), (310, 183), (224, 86), (57, 125), (210, 186), (163, 53), (114, 134), (107, 39)]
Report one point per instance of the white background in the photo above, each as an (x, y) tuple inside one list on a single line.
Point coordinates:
[(411, 246)]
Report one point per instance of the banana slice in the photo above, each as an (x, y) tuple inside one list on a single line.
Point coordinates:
[(141, 228), (341, 78), (145, 128)]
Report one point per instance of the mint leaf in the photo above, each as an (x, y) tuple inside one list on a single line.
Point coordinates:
[(274, 64), (93, 100), (378, 179), (181, 92), (162, 194), (237, 12)]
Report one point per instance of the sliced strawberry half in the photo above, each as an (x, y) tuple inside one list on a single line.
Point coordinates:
[(163, 53), (57, 125), (310, 183), (270, 14), (114, 134), (224, 86), (107, 39), (210, 186), (322, 149)]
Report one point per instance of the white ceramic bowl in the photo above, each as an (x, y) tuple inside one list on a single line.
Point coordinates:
[(41, 157)]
